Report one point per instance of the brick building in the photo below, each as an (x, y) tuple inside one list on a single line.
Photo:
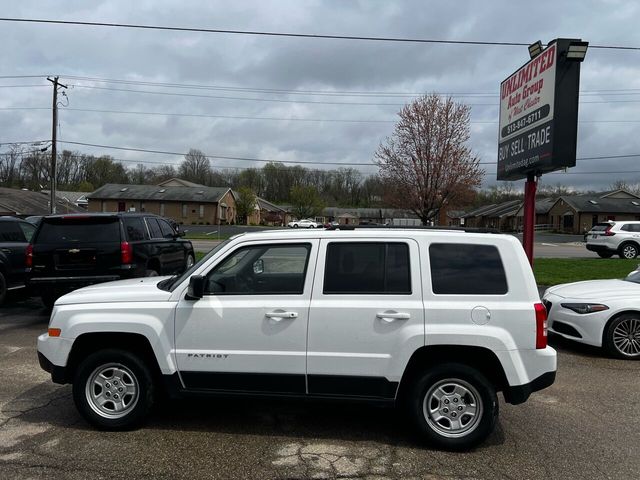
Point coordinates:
[(186, 204)]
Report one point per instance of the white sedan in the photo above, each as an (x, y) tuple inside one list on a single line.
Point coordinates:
[(603, 313), (304, 223)]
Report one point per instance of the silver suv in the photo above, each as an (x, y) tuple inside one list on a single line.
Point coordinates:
[(611, 238)]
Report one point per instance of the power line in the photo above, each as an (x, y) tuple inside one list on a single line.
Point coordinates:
[(223, 157), (294, 35), (340, 93), (280, 100)]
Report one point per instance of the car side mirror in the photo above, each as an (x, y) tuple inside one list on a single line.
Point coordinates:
[(196, 287), (258, 266)]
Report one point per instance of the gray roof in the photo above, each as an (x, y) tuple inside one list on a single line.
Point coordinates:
[(479, 211), (266, 205), (73, 197), (596, 204), (117, 191), (26, 202), (181, 183)]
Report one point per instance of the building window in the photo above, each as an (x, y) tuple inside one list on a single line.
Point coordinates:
[(201, 213), (162, 209), (142, 207), (185, 210), (103, 206)]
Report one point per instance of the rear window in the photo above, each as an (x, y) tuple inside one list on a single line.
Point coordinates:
[(80, 230), (154, 228), (601, 227), (466, 269), (367, 268), (134, 226)]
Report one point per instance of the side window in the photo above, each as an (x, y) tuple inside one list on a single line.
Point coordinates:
[(154, 228), (466, 269), (167, 231), (261, 270), (134, 226), (634, 227), (28, 230), (626, 228), (374, 268), (10, 232)]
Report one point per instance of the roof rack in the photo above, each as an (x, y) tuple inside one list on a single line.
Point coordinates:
[(418, 227)]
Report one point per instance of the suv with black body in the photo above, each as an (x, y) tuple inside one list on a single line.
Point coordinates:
[(72, 251), (14, 238)]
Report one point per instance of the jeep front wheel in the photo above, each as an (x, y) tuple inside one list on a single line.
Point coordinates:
[(453, 406), (113, 389)]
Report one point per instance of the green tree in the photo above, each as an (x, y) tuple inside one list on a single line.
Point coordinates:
[(305, 202), (245, 203)]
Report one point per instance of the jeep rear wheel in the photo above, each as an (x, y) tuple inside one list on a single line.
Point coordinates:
[(453, 406), (113, 389)]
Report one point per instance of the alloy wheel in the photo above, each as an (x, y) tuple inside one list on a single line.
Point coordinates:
[(452, 408), (626, 337), (112, 391)]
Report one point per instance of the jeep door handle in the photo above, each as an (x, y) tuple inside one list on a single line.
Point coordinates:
[(392, 316), (279, 316)]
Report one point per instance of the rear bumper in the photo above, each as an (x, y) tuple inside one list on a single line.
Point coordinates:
[(520, 393), (600, 248), (72, 282)]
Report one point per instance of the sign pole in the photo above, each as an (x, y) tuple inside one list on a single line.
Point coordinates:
[(529, 215)]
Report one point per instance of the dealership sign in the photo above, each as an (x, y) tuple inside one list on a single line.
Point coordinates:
[(539, 115)]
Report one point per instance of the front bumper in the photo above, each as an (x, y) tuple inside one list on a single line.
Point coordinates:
[(53, 353), (520, 393), (58, 374)]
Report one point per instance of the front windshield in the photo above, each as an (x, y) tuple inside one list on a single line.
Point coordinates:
[(633, 277), (173, 282)]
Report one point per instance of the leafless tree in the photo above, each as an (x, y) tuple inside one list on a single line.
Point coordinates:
[(195, 167), (426, 163)]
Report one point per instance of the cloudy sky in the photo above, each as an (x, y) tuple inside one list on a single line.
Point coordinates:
[(301, 99)]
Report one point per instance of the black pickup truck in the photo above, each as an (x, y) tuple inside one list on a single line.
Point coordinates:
[(73, 251), (14, 238)]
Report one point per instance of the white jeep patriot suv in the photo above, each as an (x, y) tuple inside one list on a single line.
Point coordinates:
[(436, 322)]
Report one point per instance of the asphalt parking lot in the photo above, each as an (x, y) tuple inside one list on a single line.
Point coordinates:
[(585, 426)]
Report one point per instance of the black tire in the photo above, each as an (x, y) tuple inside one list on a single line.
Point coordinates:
[(473, 429), (628, 250), (605, 255), (132, 371), (619, 330), (150, 273), (295, 225), (3, 288)]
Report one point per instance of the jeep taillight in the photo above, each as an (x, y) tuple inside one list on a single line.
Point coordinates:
[(608, 232), (126, 253), (541, 325), (28, 259)]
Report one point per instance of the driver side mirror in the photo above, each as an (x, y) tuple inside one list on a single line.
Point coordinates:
[(196, 287)]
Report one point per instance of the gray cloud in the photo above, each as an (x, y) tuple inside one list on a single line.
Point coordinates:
[(284, 63)]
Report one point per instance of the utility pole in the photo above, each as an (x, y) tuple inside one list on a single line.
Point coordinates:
[(54, 135)]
